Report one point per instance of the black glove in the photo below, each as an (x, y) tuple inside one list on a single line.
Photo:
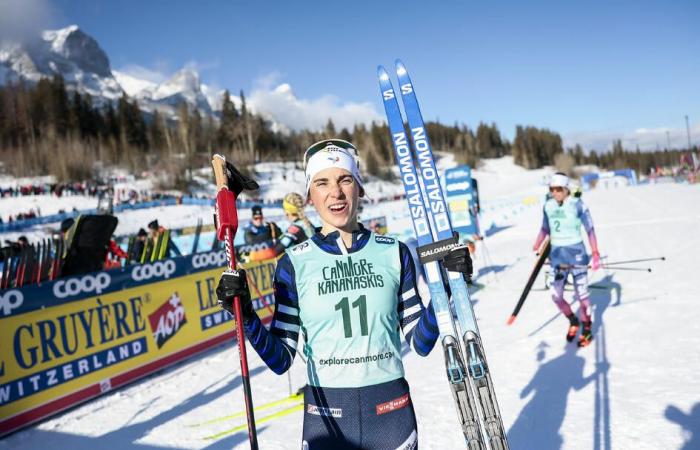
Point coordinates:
[(231, 284), (237, 182), (458, 260)]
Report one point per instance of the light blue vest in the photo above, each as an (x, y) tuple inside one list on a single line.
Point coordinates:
[(564, 222), (347, 308)]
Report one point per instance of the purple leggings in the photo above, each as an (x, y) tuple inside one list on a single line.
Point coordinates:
[(580, 293)]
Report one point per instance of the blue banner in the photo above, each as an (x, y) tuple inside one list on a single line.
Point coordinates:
[(461, 201)]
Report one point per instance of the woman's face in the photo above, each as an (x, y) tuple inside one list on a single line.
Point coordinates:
[(335, 195), (559, 193)]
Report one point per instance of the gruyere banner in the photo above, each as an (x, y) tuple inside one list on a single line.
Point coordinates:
[(72, 339)]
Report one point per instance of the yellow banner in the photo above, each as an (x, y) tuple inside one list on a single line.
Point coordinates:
[(55, 357)]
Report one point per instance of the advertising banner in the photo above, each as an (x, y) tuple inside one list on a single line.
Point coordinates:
[(461, 201), (72, 339)]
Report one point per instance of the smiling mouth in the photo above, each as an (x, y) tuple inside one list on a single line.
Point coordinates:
[(338, 207)]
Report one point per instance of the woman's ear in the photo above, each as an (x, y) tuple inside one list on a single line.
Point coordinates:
[(362, 192)]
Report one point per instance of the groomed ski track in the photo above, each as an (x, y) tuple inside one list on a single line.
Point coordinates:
[(621, 392)]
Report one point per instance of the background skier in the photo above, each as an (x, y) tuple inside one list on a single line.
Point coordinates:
[(563, 215)]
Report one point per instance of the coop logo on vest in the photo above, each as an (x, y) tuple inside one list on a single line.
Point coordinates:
[(160, 269), (383, 240), (10, 300), (209, 259), (167, 320), (87, 284)]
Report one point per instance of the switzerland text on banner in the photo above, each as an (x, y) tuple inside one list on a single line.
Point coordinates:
[(72, 339)]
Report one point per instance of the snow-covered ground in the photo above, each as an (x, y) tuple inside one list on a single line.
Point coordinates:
[(634, 387)]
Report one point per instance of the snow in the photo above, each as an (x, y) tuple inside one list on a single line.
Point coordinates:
[(185, 82), (620, 392), (133, 86), (57, 38)]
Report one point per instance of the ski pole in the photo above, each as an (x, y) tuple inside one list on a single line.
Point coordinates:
[(634, 269), (660, 258), (487, 257), (545, 249), (227, 224), (603, 266)]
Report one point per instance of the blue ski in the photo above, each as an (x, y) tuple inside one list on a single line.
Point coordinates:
[(435, 240), (454, 360)]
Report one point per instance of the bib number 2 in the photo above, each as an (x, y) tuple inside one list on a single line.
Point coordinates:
[(344, 306)]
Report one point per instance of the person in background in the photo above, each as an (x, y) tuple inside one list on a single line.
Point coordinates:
[(160, 245), (563, 216), (258, 230), (114, 255), (137, 250), (300, 227)]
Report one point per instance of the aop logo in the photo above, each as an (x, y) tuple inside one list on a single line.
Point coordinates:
[(167, 319), (75, 286), (209, 259), (10, 300), (161, 269)]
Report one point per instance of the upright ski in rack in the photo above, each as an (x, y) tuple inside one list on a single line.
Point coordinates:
[(467, 371)]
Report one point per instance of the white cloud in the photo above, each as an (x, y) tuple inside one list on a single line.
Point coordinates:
[(156, 75), (23, 19), (644, 138), (286, 110)]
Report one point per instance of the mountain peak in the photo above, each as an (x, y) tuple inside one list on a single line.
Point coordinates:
[(80, 48), (185, 79), (79, 59)]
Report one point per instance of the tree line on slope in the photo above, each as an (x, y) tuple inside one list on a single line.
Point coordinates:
[(49, 128)]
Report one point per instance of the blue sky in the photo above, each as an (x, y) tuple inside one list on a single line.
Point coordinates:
[(589, 70)]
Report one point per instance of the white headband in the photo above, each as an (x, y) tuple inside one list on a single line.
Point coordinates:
[(331, 156), (559, 180)]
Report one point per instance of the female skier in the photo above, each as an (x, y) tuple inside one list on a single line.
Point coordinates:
[(300, 228), (349, 291), (563, 216)]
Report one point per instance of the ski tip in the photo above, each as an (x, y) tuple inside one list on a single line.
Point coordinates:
[(400, 68), (382, 73), (510, 321)]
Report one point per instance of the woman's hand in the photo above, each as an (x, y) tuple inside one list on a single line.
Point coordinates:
[(231, 284), (459, 260)]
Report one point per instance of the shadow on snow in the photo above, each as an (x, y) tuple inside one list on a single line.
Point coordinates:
[(128, 435), (689, 422), (539, 423)]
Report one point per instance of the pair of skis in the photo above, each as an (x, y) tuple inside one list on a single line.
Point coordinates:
[(467, 371)]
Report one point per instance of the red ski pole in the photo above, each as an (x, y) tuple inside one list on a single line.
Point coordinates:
[(226, 227)]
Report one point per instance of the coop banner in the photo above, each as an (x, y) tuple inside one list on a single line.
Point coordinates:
[(59, 350)]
